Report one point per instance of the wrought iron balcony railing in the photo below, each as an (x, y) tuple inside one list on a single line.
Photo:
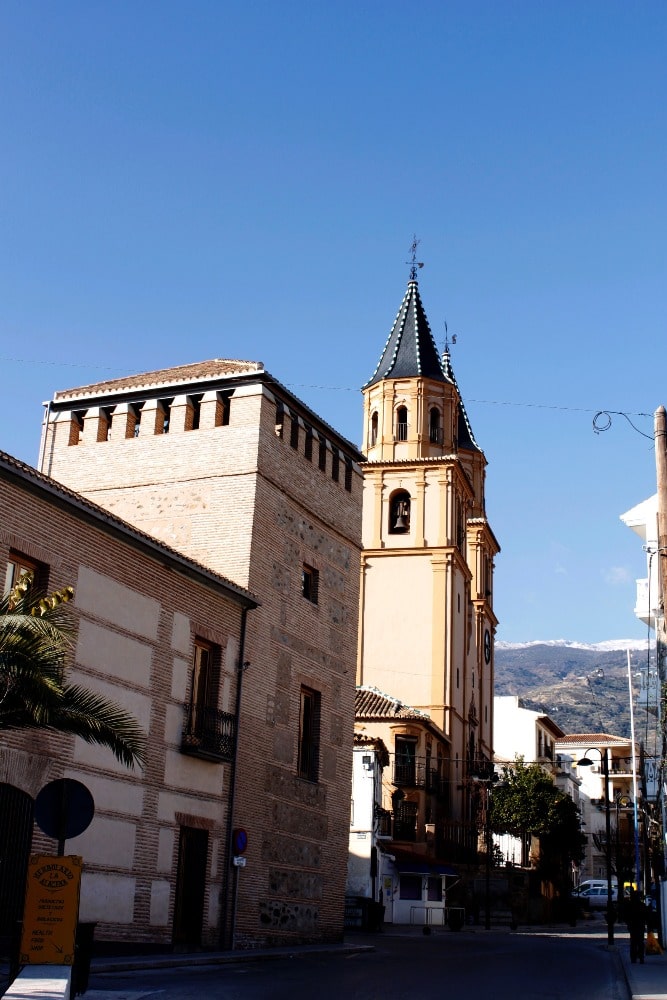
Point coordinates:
[(208, 733), (418, 773)]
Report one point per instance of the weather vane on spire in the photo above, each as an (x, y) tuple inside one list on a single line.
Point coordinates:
[(413, 262), (446, 351)]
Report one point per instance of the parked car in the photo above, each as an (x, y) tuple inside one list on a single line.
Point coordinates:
[(594, 883)]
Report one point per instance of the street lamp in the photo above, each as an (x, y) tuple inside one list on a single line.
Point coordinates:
[(587, 762), (622, 802), (488, 784)]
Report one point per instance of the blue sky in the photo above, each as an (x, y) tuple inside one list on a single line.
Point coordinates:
[(188, 180)]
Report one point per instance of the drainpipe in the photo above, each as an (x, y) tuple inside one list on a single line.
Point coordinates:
[(241, 666)]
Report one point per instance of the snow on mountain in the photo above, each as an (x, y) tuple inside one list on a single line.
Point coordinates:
[(595, 647)]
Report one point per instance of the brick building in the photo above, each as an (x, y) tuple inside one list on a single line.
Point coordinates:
[(224, 464), (155, 866)]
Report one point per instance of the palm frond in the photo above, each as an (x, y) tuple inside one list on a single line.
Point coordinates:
[(36, 635)]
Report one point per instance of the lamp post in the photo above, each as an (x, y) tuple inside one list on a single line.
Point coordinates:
[(622, 802), (587, 762)]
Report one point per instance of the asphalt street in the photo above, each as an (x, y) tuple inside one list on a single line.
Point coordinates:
[(548, 965)]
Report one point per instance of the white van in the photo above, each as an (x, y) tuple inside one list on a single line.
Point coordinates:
[(594, 883)]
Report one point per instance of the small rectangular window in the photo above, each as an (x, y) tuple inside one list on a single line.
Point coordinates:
[(322, 457), (434, 893), (194, 413), (309, 734), (166, 409), (348, 475), (310, 579), (294, 433), (335, 464), (136, 427), (222, 420), (280, 419), (308, 449), (410, 887)]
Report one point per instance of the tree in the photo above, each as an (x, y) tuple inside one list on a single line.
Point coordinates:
[(36, 635), (529, 804)]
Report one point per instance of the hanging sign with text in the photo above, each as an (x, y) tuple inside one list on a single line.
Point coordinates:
[(51, 910)]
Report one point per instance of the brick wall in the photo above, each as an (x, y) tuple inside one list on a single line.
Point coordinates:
[(136, 616), (243, 500)]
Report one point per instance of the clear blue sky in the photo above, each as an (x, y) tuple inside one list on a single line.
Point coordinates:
[(187, 180)]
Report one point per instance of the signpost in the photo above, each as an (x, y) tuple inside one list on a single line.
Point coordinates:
[(63, 808), (51, 910)]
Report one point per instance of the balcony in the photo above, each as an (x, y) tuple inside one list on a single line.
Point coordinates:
[(208, 733), (383, 823), (647, 591), (417, 772)]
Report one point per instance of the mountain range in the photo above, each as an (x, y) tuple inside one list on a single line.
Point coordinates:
[(582, 688)]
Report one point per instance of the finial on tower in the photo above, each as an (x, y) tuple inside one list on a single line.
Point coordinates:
[(413, 262), (446, 350)]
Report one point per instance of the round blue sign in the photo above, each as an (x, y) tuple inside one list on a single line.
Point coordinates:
[(239, 841)]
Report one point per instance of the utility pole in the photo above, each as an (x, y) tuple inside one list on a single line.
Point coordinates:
[(660, 437)]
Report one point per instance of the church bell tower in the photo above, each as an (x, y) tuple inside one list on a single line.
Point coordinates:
[(426, 615)]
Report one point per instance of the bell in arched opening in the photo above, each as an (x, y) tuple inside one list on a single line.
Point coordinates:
[(399, 513)]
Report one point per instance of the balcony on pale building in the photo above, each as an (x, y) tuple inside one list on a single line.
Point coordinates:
[(646, 601)]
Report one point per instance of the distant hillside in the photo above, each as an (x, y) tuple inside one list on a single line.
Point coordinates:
[(582, 688)]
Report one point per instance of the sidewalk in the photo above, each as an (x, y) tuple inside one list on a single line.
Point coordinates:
[(647, 981)]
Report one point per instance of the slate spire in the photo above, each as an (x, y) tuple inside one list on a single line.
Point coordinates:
[(410, 351)]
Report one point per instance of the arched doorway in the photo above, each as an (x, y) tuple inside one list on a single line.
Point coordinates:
[(16, 816)]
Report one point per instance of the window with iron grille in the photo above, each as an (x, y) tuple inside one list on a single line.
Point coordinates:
[(309, 734), (208, 731), (406, 760), (405, 821)]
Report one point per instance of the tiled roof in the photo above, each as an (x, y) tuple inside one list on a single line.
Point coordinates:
[(410, 350), (592, 738), (206, 373), (199, 370), (364, 740), (371, 703)]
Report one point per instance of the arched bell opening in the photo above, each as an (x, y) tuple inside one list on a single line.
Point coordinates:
[(399, 513)]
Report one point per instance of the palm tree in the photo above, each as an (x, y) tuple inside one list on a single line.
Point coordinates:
[(36, 635)]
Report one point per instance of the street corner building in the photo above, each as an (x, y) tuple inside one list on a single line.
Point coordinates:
[(221, 464), (154, 855)]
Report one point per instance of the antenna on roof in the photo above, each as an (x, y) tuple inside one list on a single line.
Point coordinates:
[(413, 262)]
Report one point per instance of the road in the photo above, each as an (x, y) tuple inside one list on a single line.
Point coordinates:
[(475, 966)]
